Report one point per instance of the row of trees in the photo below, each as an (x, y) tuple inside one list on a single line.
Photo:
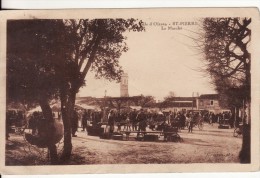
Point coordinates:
[(49, 59)]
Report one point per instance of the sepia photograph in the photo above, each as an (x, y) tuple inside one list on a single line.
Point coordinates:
[(130, 89)]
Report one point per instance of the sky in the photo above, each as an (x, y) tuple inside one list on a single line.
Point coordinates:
[(157, 62)]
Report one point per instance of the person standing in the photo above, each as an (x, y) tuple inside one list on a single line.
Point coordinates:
[(33, 122), (189, 122), (169, 117), (119, 116), (74, 123), (133, 120), (84, 120), (176, 121), (141, 118), (111, 121), (211, 118), (182, 121), (127, 123)]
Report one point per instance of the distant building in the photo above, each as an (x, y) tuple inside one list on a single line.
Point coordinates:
[(179, 104), (124, 85), (209, 102)]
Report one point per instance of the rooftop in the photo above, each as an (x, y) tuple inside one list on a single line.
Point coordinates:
[(209, 96)]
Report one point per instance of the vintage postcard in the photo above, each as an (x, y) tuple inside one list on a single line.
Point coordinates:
[(130, 90)]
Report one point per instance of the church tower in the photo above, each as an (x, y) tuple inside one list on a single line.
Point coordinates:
[(124, 85)]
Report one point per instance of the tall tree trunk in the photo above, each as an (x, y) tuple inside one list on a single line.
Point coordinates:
[(245, 153), (50, 130), (67, 104)]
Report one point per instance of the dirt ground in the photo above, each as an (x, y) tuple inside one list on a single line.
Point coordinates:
[(211, 145)]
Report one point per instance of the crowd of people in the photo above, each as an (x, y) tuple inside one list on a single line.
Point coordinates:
[(226, 118), (133, 120), (130, 120)]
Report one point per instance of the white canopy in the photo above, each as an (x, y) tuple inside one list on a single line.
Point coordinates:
[(88, 107), (135, 107), (37, 109)]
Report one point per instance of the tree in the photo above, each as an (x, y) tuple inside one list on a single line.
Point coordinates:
[(225, 43), (61, 53), (145, 101), (95, 45), (30, 75), (170, 96)]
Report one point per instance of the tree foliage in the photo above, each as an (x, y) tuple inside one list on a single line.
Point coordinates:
[(170, 96), (225, 43), (45, 53), (30, 73)]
